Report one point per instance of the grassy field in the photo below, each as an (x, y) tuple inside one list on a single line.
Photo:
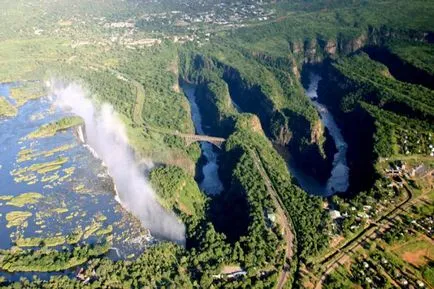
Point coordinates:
[(421, 55), (42, 168), (417, 252), (176, 189), (36, 241), (29, 154), (17, 218), (28, 59), (26, 92)]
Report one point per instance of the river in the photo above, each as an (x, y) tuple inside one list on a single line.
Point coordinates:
[(339, 179), (211, 183), (75, 195)]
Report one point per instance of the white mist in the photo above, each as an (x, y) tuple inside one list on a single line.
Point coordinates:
[(106, 135)]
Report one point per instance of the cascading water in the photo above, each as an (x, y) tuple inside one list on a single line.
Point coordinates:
[(106, 136), (80, 134), (339, 179), (75, 195)]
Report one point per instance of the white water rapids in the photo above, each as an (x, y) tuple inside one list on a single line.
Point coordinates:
[(339, 179)]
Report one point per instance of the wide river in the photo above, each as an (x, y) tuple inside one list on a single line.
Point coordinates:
[(75, 191)]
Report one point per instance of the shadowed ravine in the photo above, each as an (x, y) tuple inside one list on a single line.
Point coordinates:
[(339, 179), (211, 183)]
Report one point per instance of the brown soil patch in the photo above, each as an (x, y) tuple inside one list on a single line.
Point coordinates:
[(176, 88), (336, 241), (386, 73), (347, 264), (417, 252), (417, 258), (173, 67), (230, 269), (281, 18), (309, 285), (317, 132), (256, 124), (183, 208)]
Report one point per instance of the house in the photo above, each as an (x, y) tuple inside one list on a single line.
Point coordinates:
[(334, 214), (363, 215), (365, 265), (271, 217), (236, 274)]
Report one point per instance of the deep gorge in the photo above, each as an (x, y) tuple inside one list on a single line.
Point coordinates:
[(223, 91)]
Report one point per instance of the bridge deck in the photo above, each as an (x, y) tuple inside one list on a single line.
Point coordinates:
[(190, 138)]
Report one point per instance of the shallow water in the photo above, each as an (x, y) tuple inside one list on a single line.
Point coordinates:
[(211, 183), (87, 193)]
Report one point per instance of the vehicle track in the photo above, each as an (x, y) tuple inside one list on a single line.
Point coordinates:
[(281, 216)]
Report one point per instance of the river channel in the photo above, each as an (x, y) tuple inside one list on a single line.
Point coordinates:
[(339, 179), (211, 183)]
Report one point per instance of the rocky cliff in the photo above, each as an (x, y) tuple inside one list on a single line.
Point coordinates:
[(317, 49)]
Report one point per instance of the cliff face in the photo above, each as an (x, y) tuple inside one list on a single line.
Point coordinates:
[(400, 69), (285, 127), (303, 136), (215, 122), (357, 127), (316, 50), (317, 132), (249, 97), (280, 131)]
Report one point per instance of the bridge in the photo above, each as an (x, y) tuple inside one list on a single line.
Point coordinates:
[(190, 138), (138, 119)]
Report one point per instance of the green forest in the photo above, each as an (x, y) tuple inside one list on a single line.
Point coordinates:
[(376, 62)]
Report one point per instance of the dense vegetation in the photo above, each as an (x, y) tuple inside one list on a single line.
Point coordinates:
[(249, 88), (233, 81), (6, 109), (396, 116), (57, 126), (308, 218), (178, 191), (45, 260)]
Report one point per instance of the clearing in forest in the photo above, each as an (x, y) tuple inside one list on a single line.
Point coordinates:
[(417, 252)]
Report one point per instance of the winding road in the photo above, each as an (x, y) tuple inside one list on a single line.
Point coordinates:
[(138, 119)]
